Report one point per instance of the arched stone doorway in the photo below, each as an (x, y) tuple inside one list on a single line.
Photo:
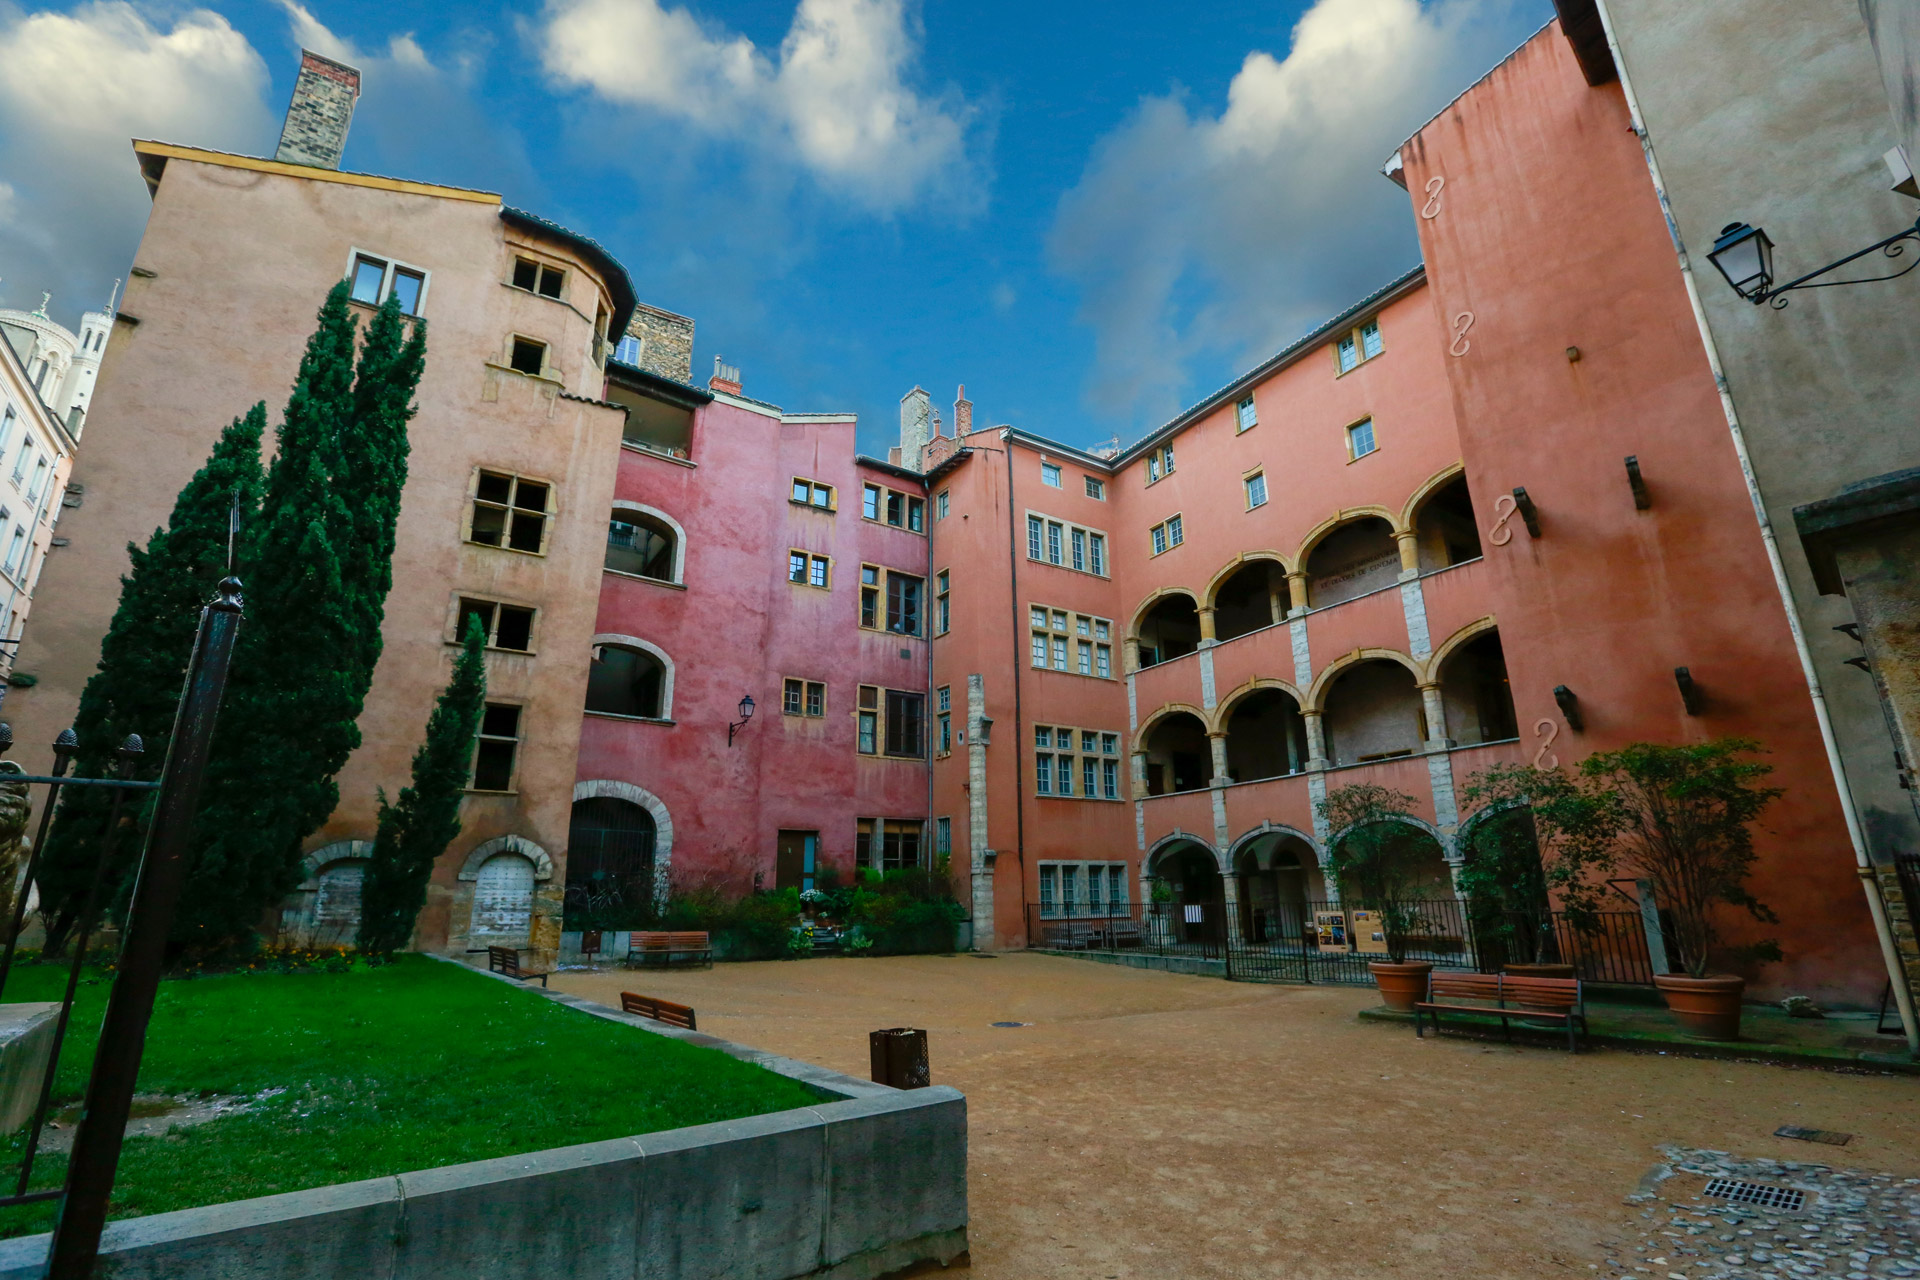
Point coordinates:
[(1171, 629), (1373, 712), (1266, 736), (610, 864), (1279, 887), (1178, 756), (1192, 906)]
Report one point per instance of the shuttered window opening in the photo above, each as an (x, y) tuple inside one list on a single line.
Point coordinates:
[(503, 898), (337, 901)]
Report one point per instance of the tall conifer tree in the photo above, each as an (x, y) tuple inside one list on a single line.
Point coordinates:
[(143, 661), (317, 569), (416, 830)]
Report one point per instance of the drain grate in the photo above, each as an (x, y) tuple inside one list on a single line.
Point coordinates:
[(1013, 1024), (1832, 1137), (1785, 1199)]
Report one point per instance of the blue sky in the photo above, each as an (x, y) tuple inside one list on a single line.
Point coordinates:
[(1090, 214)]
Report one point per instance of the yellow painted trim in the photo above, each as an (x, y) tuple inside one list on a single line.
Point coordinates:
[(168, 150)]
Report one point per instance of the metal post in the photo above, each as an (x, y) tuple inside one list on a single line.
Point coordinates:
[(123, 1032), (1650, 921)]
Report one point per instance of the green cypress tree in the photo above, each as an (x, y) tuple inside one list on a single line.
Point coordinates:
[(373, 458), (143, 660), (417, 829)]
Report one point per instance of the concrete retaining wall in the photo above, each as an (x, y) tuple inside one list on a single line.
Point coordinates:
[(871, 1180), (26, 1039)]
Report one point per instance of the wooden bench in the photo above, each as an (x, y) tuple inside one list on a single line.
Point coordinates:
[(1116, 934), (507, 961), (1551, 1000), (677, 1015), (646, 946)]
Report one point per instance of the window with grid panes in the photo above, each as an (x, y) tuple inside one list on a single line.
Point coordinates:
[(496, 748), (1036, 531), (943, 604), (1080, 549), (942, 836), (810, 493), (906, 729), (1053, 541), (1256, 485), (1096, 489), (1050, 475), (903, 603), (1167, 535), (1245, 415), (807, 570), (1360, 441), (1360, 344), (870, 596), (506, 626), (943, 708), (510, 511)]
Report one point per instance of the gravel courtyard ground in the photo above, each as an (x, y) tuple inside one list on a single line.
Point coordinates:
[(1150, 1125)]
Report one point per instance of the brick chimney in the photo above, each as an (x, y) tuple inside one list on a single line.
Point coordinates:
[(316, 129), (726, 377), (962, 413), (916, 426)]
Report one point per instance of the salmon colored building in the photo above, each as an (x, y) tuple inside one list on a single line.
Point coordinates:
[(1488, 514)]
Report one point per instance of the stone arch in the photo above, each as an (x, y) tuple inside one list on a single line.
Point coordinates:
[(1316, 699), (1234, 565), (1470, 677), (317, 860), (1438, 658), (542, 864), (1428, 487), (1223, 709), (1252, 834), (1153, 598), (1168, 841), (1165, 638), (646, 646), (662, 821), (1347, 515), (1155, 716), (679, 534), (1243, 600), (1357, 554)]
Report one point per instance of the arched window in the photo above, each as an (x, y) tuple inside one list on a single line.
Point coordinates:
[(336, 902), (1473, 685), (502, 901), (1373, 712), (1254, 596), (1445, 528), (1178, 755), (1280, 887), (1266, 738), (610, 846), (1351, 561), (1171, 629), (642, 544), (625, 681)]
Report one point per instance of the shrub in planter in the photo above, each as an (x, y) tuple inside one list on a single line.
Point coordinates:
[(1375, 860)]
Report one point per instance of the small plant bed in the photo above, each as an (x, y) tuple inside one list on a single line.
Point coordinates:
[(352, 1071)]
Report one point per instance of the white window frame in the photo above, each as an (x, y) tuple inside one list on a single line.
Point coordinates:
[(1050, 475), (1096, 488), (1249, 482), (386, 277), (1246, 414), (1354, 454)]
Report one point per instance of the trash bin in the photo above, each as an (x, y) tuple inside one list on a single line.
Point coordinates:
[(899, 1057)]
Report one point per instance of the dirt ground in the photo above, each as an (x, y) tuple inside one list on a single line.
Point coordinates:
[(1152, 1125)]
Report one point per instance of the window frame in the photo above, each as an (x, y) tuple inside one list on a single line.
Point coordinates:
[(456, 634), (877, 599), (913, 508), (799, 691), (943, 602), (1168, 535), (510, 506), (1257, 475), (390, 268), (1159, 463), (481, 737), (1373, 438), (814, 564), (1246, 414), (814, 490), (1055, 535), (1051, 475), (1355, 339), (1049, 629), (1095, 486), (540, 269), (514, 341), (880, 708), (1062, 761)]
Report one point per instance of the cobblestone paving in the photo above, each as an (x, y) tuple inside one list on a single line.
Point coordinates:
[(1861, 1226)]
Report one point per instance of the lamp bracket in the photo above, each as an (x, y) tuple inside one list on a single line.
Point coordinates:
[(1891, 247)]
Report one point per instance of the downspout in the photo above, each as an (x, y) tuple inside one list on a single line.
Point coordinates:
[(1019, 728), (930, 614), (1863, 864)]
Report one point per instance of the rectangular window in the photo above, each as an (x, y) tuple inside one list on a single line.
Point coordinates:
[(368, 275), (888, 506), (945, 697), (808, 570), (1058, 634), (1117, 887), (1097, 554), (946, 734), (817, 572), (373, 280), (39, 484), (497, 747), (1110, 744), (1166, 459), (506, 626), (941, 505), (1050, 475), (1049, 891), (1090, 770), (1080, 550), (1110, 779), (1084, 654), (1153, 467), (793, 697), (943, 837), (887, 844), (1167, 535), (906, 713), (1043, 774), (538, 277), (1059, 653), (6, 429), (1349, 354), (1036, 531), (811, 493), (1369, 339), (869, 712), (1256, 490), (1360, 441), (528, 356), (1096, 489), (1174, 534), (1245, 415), (510, 511), (916, 514), (943, 604), (895, 507), (1053, 541), (20, 461), (1360, 344), (1159, 532), (1040, 649), (1103, 661), (15, 549), (870, 502), (816, 699), (903, 603), (870, 596), (1063, 779)]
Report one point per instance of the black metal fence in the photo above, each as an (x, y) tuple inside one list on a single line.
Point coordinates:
[(1327, 942)]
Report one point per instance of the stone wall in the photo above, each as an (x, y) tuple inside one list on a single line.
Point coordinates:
[(666, 342), (1901, 918), (321, 111)]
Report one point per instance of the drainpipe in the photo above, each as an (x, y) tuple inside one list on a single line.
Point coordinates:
[(1018, 749), (929, 621), (1902, 995)]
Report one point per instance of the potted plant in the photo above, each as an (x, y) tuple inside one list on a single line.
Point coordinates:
[(1375, 861), (1687, 814)]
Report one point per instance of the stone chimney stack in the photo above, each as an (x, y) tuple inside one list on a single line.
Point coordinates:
[(916, 426), (962, 413), (316, 129)]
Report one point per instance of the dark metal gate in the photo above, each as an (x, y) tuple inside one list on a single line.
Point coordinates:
[(610, 847)]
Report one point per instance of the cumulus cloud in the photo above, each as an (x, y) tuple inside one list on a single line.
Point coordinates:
[(1196, 237), (78, 87), (834, 99)]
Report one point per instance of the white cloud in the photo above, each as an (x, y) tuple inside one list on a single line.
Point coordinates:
[(1224, 237), (835, 98), (78, 87)]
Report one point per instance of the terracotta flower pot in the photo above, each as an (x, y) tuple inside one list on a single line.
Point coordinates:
[(1705, 1008), (1401, 985)]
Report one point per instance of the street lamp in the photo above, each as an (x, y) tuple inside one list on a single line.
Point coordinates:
[(746, 714), (1744, 255)]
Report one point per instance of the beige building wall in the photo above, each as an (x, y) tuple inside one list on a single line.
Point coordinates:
[(36, 463), (237, 256)]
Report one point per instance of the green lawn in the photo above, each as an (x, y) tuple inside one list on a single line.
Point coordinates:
[(377, 1071)]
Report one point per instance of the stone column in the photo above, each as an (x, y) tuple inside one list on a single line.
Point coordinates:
[(1206, 626), (1130, 655), (1297, 592), (1436, 709), (1316, 741), (1217, 740), (1230, 895), (1139, 773), (980, 859), (1409, 550), (1276, 599)]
